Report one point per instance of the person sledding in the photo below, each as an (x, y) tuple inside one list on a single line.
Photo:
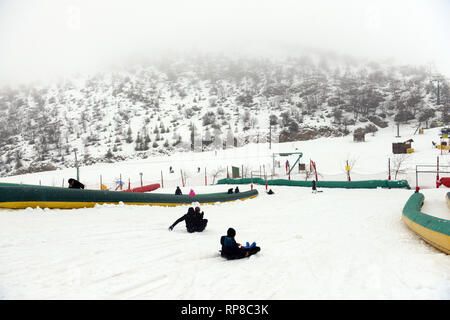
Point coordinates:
[(75, 184), (193, 218), (232, 250)]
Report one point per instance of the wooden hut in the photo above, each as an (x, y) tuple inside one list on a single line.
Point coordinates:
[(402, 147), (359, 135)]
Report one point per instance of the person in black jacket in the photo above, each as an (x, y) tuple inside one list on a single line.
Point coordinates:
[(236, 190), (314, 189), (75, 184), (194, 221), (178, 191), (233, 250)]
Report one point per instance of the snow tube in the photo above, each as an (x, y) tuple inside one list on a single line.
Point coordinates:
[(434, 230), (445, 181), (365, 184), (20, 197), (147, 188)]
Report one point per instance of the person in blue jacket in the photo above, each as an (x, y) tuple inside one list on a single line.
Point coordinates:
[(233, 250)]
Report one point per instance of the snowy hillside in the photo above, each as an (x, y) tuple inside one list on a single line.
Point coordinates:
[(338, 244), (208, 102)]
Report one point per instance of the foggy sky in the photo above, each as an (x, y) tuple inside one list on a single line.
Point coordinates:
[(42, 38)]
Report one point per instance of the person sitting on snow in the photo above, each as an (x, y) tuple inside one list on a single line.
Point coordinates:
[(194, 220), (75, 184), (230, 191), (192, 192), (270, 191), (236, 190), (233, 250)]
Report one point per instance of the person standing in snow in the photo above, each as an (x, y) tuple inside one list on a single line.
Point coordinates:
[(75, 184), (194, 220), (314, 189), (233, 250), (178, 191)]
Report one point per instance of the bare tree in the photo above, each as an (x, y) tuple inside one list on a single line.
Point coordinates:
[(185, 177), (216, 173), (308, 173), (398, 164)]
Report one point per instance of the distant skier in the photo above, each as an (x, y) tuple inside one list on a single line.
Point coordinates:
[(194, 220), (232, 250), (236, 190), (314, 189), (178, 191), (75, 184)]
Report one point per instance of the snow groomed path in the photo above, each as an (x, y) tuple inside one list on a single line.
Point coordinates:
[(434, 230), (21, 197)]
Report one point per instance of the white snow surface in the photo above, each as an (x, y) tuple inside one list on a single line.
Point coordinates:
[(338, 244)]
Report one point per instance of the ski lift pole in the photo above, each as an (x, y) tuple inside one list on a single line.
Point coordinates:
[(389, 168), (438, 184), (162, 181), (76, 164)]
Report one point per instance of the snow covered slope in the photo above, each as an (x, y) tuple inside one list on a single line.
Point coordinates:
[(338, 244)]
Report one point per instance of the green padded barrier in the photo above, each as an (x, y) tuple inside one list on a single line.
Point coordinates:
[(412, 208), (22, 194), (366, 184)]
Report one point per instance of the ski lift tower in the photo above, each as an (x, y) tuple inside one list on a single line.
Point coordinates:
[(286, 154)]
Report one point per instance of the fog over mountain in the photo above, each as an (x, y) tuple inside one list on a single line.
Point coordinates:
[(130, 79), (42, 38)]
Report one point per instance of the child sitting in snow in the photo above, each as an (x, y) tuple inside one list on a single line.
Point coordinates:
[(232, 250)]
